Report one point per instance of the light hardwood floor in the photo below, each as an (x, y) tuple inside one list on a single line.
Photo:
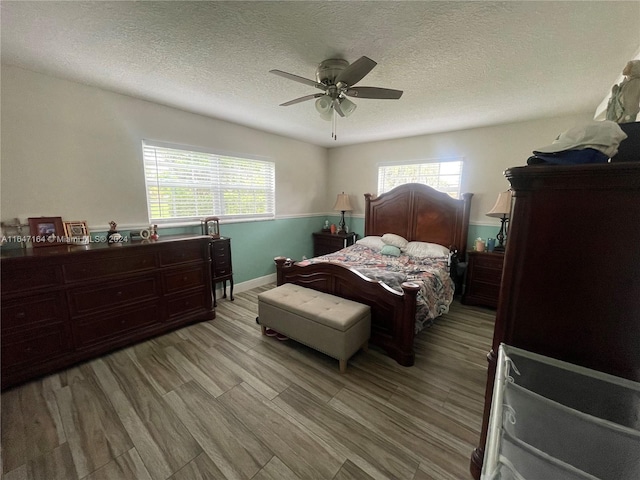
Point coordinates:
[(217, 400)]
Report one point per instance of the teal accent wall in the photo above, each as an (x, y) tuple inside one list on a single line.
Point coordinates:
[(482, 231)]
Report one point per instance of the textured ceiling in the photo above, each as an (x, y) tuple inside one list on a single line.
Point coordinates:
[(460, 64)]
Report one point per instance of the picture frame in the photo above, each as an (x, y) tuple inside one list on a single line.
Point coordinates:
[(211, 227), (76, 232), (46, 231)]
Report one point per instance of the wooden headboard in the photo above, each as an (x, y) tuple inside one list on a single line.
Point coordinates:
[(419, 213)]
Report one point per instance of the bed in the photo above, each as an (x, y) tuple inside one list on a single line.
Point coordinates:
[(416, 213)]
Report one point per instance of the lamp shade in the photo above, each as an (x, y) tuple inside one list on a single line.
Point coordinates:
[(323, 105), (347, 106), (342, 203), (502, 208)]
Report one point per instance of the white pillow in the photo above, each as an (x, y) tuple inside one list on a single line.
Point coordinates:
[(373, 242), (424, 249), (395, 240)]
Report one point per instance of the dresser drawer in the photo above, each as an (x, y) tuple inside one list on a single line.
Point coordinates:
[(33, 346), (114, 266), (188, 303), (26, 311), (101, 297), (20, 278), (487, 274), (184, 279), (488, 260), (190, 252), (92, 330), (221, 253), (222, 271)]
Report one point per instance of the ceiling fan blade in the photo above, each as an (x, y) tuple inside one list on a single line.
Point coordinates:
[(296, 78), (374, 92), (302, 99), (356, 71), (337, 107)]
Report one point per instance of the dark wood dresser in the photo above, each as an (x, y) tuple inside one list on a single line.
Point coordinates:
[(571, 283), (221, 266), (326, 242), (484, 273), (65, 304)]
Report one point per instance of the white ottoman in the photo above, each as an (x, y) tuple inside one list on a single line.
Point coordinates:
[(332, 325)]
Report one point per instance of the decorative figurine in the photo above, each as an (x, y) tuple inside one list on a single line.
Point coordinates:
[(326, 226), (154, 233), (624, 103), (112, 235)]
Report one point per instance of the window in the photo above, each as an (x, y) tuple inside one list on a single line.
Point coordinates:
[(189, 184), (444, 176)]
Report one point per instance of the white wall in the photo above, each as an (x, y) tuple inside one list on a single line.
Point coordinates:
[(74, 151), (486, 152)]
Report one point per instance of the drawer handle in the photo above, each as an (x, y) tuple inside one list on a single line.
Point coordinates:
[(185, 278), (122, 322), (119, 294), (21, 315), (28, 349)]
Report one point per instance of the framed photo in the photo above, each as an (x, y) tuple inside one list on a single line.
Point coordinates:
[(76, 232), (46, 231)]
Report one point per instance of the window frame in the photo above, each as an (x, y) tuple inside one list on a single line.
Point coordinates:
[(217, 189)]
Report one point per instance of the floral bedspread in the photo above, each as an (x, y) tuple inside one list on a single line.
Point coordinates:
[(432, 274)]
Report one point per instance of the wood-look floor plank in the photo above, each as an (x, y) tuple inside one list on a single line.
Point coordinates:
[(276, 470), (396, 426), (94, 432), (128, 466), (434, 416), (202, 367), (19, 473), (304, 454), (31, 425), (234, 448), (163, 443), (350, 471), (200, 468), (163, 375), (367, 449), (273, 354), (56, 464), (264, 379), (14, 440)]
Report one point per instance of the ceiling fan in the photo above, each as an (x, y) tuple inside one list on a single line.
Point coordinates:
[(337, 78)]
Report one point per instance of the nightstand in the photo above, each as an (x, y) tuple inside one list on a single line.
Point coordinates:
[(484, 275), (221, 269), (326, 242)]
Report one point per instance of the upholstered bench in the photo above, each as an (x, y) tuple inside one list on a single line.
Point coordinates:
[(332, 325)]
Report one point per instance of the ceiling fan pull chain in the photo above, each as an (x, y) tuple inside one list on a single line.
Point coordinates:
[(334, 125)]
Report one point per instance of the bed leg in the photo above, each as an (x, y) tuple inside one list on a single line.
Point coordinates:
[(343, 366), (263, 329)]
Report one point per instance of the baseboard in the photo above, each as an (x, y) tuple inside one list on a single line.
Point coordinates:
[(248, 285)]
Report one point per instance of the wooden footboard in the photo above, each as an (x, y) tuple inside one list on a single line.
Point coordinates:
[(392, 313)]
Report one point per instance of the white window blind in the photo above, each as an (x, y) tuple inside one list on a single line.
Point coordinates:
[(187, 185), (444, 176)]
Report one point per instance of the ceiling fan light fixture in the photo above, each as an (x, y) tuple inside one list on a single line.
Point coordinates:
[(328, 116), (323, 105), (347, 106)]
